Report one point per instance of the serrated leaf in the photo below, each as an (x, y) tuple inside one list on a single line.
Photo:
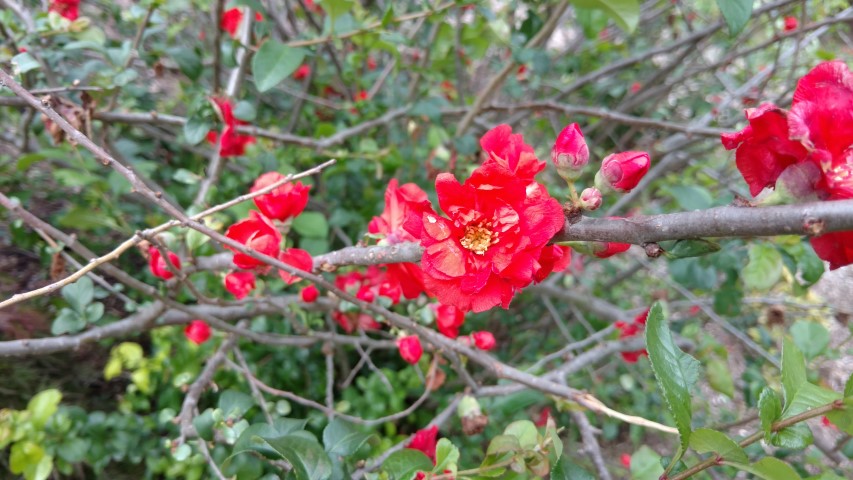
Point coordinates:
[(811, 338), (793, 371), (769, 410), (565, 469), (446, 456), (768, 468), (626, 13), (645, 464), (234, 404), (341, 438), (503, 444), (676, 372), (305, 455), (403, 465), (720, 377), (705, 440), (250, 438), (764, 268), (525, 431), (736, 13), (274, 62), (795, 437)]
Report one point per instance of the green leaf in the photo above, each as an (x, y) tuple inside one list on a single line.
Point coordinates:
[(848, 387), (645, 464), (79, 294), (691, 197), (204, 424), (705, 440), (250, 438), (42, 406), (768, 468), (196, 128), (769, 410), (29, 459), (195, 239), (626, 13), (274, 62), (676, 372), (812, 338), (793, 371), (565, 469), (68, 321), (720, 377), (446, 456), (807, 397), (311, 224), (336, 8), (795, 437), (503, 444), (736, 13), (526, 433), (94, 312), (23, 63), (690, 248), (764, 268), (341, 438), (234, 404), (305, 455), (403, 465)]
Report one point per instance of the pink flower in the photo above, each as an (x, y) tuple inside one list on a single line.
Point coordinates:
[(298, 259), (197, 332), (484, 340), (791, 24), (302, 72), (425, 440), (240, 284), (309, 294), (410, 348), (257, 233), (590, 199), (570, 153), (158, 266), (448, 319), (283, 202), (69, 9), (622, 171)]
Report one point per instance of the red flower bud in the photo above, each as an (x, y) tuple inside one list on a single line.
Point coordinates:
[(484, 340), (240, 283), (635, 87), (309, 294), (791, 23), (371, 63), (570, 153), (283, 202), (295, 258), (622, 171), (608, 249), (197, 332), (590, 199), (448, 319), (158, 266), (626, 460), (302, 72), (410, 348), (425, 441)]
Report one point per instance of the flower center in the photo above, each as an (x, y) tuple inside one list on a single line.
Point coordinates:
[(477, 238)]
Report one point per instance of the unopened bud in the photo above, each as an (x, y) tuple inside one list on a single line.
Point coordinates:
[(590, 199), (622, 171), (570, 153)]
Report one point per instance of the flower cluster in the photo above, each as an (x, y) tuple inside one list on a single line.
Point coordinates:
[(630, 329), (805, 152), (231, 144)]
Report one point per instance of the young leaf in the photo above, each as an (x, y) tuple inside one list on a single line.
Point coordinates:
[(305, 455), (676, 372), (446, 456), (403, 465), (42, 406), (626, 13), (274, 62), (79, 294), (811, 337), (705, 440), (720, 377), (341, 438), (795, 437), (769, 410), (736, 13), (764, 268)]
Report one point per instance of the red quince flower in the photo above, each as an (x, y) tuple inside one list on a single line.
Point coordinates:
[(554, 258), (506, 155), (570, 153), (626, 460), (448, 319), (302, 72), (636, 87), (642, 317), (425, 440), (295, 258), (231, 18), (257, 233), (371, 63), (197, 332), (608, 249), (410, 348), (309, 294), (544, 415), (791, 24), (622, 171), (283, 202), (240, 284), (836, 248), (158, 266), (627, 330), (313, 7), (69, 9), (484, 340), (349, 321), (361, 96), (231, 144)]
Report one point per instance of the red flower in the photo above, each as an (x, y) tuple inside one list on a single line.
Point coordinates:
[(230, 144), (309, 294), (791, 24), (635, 87), (410, 348), (257, 233), (298, 259), (240, 284), (807, 149), (197, 332), (371, 63), (626, 460), (425, 440), (302, 72), (641, 318), (69, 9), (824, 420), (622, 171), (231, 18), (283, 202), (544, 415), (608, 249), (499, 222), (591, 198), (570, 153), (448, 319), (361, 96), (554, 258), (521, 73), (313, 7), (627, 330), (158, 266), (484, 340), (350, 320)]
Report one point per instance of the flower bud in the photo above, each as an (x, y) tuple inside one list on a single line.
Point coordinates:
[(158, 265), (570, 153), (240, 284), (410, 348), (197, 332), (590, 199), (309, 294), (622, 171), (484, 340)]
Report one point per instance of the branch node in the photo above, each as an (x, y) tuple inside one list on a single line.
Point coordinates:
[(814, 226), (653, 250)]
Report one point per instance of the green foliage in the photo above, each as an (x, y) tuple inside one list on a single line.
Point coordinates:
[(274, 62), (736, 13)]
